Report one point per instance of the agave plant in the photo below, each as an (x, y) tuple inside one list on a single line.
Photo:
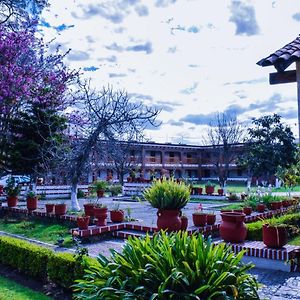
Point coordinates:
[(175, 266), (167, 194)]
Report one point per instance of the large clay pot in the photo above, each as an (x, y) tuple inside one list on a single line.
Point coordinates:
[(247, 210), (12, 201), (200, 219), (60, 209), (275, 205), (209, 190), (88, 209), (285, 203), (184, 222), (260, 207), (100, 193), (31, 203), (117, 216), (83, 222), (274, 236), (232, 227), (101, 214), (168, 219), (49, 208), (211, 219)]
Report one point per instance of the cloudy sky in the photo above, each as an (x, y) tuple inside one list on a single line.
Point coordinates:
[(190, 58)]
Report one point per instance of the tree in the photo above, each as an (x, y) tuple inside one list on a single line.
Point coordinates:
[(270, 145), (223, 135), (104, 114), (34, 92)]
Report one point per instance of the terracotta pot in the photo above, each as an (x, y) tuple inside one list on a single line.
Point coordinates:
[(88, 209), (285, 203), (1, 189), (274, 236), (232, 227), (60, 209), (12, 201), (184, 223), (100, 193), (49, 208), (226, 210), (32, 203), (275, 205), (220, 192), (200, 190), (200, 219), (83, 222), (101, 214), (129, 179), (117, 216), (260, 207), (168, 219), (247, 210), (211, 219), (209, 190)]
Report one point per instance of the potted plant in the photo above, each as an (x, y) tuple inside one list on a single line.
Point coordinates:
[(274, 234), (89, 208), (275, 205), (49, 208), (209, 188), (211, 218), (232, 228), (99, 186), (60, 209), (247, 210), (184, 222), (260, 207), (220, 192), (31, 200), (83, 222), (100, 213), (169, 197), (199, 217), (117, 214), (12, 191)]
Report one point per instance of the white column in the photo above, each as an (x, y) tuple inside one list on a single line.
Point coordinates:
[(298, 95)]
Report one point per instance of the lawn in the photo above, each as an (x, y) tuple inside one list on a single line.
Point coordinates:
[(14, 291), (46, 232), (295, 241)]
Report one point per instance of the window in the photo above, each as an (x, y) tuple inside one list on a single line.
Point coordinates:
[(171, 154), (152, 153)]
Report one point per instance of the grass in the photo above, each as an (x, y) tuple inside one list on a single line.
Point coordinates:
[(14, 291), (45, 232), (295, 241)]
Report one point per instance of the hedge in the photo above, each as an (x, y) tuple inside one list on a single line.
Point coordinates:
[(42, 263), (254, 230)]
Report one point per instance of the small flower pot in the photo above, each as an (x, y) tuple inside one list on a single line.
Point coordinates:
[(184, 222), (247, 210), (168, 219), (220, 192), (260, 207), (1, 189), (274, 236), (285, 203), (117, 216), (60, 209), (88, 209), (200, 219), (209, 190), (12, 201), (275, 205), (83, 222), (31, 203), (49, 208), (101, 214), (100, 193), (211, 219)]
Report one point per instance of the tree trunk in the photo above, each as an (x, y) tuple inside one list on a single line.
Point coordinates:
[(74, 201)]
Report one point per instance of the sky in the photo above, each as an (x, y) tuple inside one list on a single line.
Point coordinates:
[(189, 58)]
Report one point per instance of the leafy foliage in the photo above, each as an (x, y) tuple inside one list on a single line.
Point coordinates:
[(99, 185), (270, 145), (175, 266), (12, 189), (167, 194)]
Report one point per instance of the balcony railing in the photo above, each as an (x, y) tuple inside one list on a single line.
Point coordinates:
[(152, 160), (172, 160)]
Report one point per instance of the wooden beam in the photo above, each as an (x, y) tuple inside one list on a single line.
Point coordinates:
[(283, 77)]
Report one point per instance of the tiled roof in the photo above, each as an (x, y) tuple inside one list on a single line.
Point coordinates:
[(283, 57)]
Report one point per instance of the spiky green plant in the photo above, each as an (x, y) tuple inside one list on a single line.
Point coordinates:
[(167, 194), (175, 266)]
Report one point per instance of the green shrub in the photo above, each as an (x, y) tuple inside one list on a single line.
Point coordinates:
[(167, 194), (63, 268), (24, 256), (175, 266), (115, 189), (80, 194)]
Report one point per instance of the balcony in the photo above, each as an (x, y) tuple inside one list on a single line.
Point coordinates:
[(152, 160), (173, 160), (190, 160)]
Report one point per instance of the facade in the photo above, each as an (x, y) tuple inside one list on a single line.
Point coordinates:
[(149, 160)]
